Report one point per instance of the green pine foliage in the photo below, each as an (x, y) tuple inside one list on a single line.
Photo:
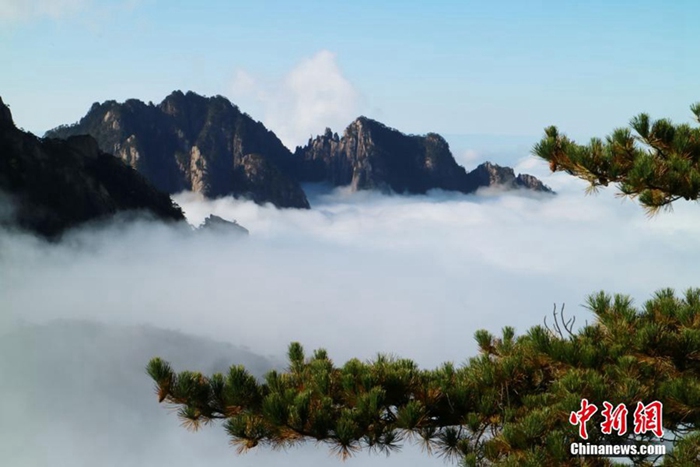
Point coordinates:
[(507, 406), (510, 405), (657, 164)]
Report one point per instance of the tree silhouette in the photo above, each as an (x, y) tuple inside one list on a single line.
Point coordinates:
[(514, 403), (658, 164), (510, 405)]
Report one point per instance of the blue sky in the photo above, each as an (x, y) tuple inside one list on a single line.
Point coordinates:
[(490, 75), (506, 68)]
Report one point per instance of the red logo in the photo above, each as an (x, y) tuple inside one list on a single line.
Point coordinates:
[(615, 419), (582, 416), (647, 418)]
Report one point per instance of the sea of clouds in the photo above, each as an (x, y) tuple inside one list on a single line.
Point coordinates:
[(360, 273)]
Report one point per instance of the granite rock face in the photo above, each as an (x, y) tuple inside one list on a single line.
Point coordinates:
[(370, 155), (207, 145), (55, 184), (191, 142), (530, 182), (490, 175)]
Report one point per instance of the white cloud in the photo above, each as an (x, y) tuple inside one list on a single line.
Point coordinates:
[(358, 274), (18, 10), (13, 11), (312, 96), (244, 85), (342, 272), (469, 157)]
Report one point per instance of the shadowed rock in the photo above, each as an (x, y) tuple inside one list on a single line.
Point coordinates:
[(371, 155), (207, 145), (54, 184), (493, 175), (217, 224), (196, 143)]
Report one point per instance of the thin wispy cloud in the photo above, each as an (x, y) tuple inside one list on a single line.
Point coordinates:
[(357, 263), (314, 95), (358, 274), (87, 11), (22, 10)]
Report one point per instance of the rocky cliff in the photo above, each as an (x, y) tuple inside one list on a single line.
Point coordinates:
[(372, 155), (56, 184), (489, 175), (207, 145), (191, 142)]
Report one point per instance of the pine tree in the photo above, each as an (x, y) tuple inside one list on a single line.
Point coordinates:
[(508, 406), (511, 404), (658, 164)]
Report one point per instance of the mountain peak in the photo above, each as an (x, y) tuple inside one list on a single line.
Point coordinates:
[(371, 155), (366, 121), (207, 145), (489, 174), (198, 143), (5, 114), (179, 96)]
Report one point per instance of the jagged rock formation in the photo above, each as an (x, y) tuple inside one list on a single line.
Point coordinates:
[(190, 142), (206, 145), (57, 184), (217, 224), (488, 174), (371, 155)]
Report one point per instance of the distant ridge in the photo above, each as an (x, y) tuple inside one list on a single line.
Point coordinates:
[(371, 155), (207, 145)]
